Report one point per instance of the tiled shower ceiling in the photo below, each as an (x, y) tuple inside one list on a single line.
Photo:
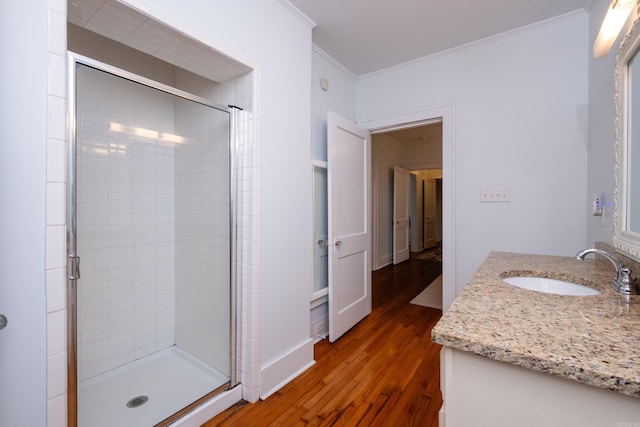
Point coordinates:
[(130, 27)]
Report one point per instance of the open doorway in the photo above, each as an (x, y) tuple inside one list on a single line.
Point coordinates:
[(446, 115), (418, 150)]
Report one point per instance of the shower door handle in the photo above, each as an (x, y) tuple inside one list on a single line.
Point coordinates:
[(74, 267), (3, 321)]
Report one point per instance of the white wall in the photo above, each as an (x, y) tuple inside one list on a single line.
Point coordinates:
[(520, 122), (340, 98), (24, 106)]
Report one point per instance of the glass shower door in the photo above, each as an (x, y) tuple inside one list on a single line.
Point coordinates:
[(152, 215)]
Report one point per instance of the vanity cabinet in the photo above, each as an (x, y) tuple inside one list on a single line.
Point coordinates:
[(478, 391), (518, 357)]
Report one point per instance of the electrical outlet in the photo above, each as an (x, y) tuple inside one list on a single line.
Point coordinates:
[(495, 195), (597, 205)]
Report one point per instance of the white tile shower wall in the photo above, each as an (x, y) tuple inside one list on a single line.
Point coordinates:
[(55, 219), (126, 222), (202, 234), (244, 92), (248, 275)]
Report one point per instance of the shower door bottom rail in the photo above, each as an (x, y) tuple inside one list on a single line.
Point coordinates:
[(184, 411)]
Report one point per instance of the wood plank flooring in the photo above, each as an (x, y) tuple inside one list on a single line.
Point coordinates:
[(383, 372)]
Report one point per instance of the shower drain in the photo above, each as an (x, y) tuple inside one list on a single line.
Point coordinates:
[(137, 401)]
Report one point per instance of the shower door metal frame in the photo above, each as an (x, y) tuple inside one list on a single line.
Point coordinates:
[(73, 259)]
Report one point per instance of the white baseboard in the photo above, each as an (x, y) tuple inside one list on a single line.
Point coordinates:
[(210, 409), (319, 338), (279, 372), (384, 261), (319, 318)]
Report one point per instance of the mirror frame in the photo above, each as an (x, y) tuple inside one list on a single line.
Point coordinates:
[(625, 241)]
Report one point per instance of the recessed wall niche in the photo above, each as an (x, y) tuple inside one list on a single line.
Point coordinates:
[(113, 33)]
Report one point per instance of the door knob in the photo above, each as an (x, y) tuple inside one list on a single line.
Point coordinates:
[(3, 321), (338, 243)]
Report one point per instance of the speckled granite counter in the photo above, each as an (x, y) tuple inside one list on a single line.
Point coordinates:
[(590, 339)]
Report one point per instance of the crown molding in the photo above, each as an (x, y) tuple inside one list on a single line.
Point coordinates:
[(317, 49), (297, 13)]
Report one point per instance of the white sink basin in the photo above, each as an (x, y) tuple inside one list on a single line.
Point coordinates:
[(550, 286)]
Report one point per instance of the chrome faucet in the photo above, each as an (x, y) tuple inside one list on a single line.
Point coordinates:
[(621, 282)]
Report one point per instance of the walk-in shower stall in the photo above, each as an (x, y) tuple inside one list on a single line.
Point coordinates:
[(150, 244)]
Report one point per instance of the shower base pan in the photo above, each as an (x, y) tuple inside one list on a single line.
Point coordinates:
[(146, 391)]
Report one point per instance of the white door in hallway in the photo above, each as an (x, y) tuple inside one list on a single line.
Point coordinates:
[(349, 206), (429, 213), (400, 215)]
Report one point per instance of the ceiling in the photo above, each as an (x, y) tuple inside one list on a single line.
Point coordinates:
[(370, 35), (431, 133)]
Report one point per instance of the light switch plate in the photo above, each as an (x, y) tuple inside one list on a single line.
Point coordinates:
[(495, 195)]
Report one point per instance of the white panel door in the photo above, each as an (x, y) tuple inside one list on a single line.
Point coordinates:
[(400, 215), (417, 242), (429, 213), (349, 203)]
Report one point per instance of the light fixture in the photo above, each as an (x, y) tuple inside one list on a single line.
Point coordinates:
[(146, 133), (614, 20)]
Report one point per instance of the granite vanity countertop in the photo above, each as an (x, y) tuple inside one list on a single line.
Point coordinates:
[(594, 340)]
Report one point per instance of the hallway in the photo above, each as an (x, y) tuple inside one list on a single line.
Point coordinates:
[(385, 371)]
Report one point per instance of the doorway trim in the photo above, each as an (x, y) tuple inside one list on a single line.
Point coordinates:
[(445, 114)]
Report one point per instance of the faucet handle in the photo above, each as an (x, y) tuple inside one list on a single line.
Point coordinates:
[(622, 282)]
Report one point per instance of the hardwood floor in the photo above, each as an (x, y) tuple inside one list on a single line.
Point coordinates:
[(384, 371)]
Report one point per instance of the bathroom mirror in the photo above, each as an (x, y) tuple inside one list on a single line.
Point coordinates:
[(626, 237)]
